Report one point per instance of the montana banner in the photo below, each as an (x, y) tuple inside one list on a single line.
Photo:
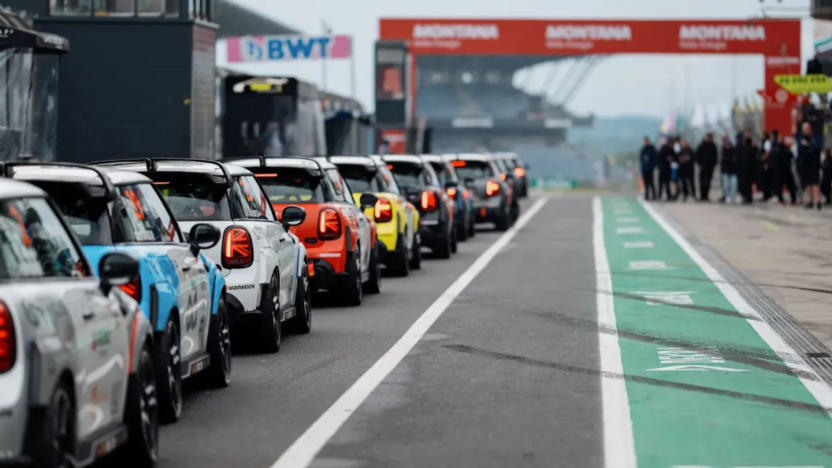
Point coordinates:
[(281, 48)]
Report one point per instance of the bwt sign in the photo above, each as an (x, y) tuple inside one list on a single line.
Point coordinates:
[(279, 48)]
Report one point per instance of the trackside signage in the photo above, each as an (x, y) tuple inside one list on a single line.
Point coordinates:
[(283, 48), (450, 36)]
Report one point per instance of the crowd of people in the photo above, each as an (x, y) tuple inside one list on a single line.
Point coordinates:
[(774, 166)]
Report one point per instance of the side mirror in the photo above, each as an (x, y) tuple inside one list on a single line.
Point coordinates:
[(117, 269), (292, 216), (367, 200), (203, 236)]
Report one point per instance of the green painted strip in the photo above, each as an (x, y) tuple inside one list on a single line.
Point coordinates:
[(728, 401)]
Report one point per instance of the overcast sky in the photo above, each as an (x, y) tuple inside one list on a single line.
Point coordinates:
[(622, 84)]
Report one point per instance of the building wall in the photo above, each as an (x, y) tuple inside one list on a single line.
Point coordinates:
[(126, 89)]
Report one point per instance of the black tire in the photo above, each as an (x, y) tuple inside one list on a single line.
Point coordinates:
[(515, 212), (302, 323), (56, 442), (168, 359), (399, 264), (416, 254), (373, 285), (454, 242), (141, 414), (219, 348), (352, 291), (472, 226), (504, 220), (462, 231), (271, 333), (442, 249)]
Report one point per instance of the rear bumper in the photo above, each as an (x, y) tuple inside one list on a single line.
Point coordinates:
[(326, 278), (433, 233)]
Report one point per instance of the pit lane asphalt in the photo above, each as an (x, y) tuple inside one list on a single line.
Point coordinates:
[(472, 392)]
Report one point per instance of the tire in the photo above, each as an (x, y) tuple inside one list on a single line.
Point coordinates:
[(56, 442), (373, 285), (399, 264), (462, 231), (219, 348), (504, 220), (271, 333), (302, 323), (416, 254), (352, 291), (443, 247), (168, 361), (472, 227), (454, 242), (515, 212), (141, 414)]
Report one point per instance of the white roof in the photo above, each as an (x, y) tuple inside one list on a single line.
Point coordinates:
[(432, 157), (12, 189), (355, 160), (253, 163), (76, 174), (472, 156), (194, 166), (408, 158)]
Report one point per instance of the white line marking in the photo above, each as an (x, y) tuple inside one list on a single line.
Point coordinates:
[(630, 230), (648, 265), (619, 448), (302, 452), (626, 219), (638, 245), (815, 385)]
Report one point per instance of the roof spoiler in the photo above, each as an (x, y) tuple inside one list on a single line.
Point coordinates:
[(152, 164), (8, 171)]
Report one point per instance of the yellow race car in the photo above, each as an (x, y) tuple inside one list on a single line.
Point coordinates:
[(397, 220)]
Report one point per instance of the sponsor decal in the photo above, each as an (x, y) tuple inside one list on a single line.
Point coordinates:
[(782, 61), (594, 32), (721, 32), (282, 48), (456, 31), (238, 287)]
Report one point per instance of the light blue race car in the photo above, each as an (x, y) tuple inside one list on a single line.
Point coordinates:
[(180, 291)]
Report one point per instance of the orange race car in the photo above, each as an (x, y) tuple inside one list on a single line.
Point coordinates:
[(340, 239)]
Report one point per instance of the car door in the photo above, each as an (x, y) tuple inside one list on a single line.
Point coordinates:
[(155, 236)]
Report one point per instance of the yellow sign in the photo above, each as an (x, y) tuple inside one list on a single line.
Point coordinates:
[(800, 84)]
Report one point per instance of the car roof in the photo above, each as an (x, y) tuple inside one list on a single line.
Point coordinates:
[(367, 161), (15, 189), (432, 158), (472, 157), (178, 165), (408, 158), (80, 174), (289, 161)]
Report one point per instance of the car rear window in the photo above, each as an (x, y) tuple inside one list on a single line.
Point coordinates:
[(360, 178), (194, 197), (291, 185), (472, 169), (85, 209), (409, 176)]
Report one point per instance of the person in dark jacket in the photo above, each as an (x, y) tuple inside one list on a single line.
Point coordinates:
[(748, 161), (666, 157), (808, 159), (826, 179), (647, 158), (782, 170), (728, 167), (686, 171), (706, 160)]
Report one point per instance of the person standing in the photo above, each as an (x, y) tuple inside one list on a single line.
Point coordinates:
[(826, 180), (728, 167), (782, 165), (666, 156), (808, 159), (706, 160), (648, 165), (686, 170), (764, 181), (747, 163)]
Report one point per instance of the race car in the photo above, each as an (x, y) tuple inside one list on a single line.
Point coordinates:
[(396, 219), (264, 265), (421, 186), (519, 170), (492, 196), (180, 291), (76, 373), (339, 238), (506, 168), (463, 204)]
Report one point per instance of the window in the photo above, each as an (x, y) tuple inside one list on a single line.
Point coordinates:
[(288, 185), (474, 170), (252, 201), (70, 7), (142, 216), (408, 176), (341, 191), (84, 208), (194, 197), (158, 7), (34, 243), (360, 178), (114, 7), (386, 180)]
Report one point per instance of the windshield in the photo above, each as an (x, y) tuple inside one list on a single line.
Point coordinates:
[(290, 185), (194, 197), (34, 243), (472, 170)]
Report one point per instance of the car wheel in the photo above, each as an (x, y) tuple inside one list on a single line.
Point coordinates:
[(56, 443), (443, 247), (271, 333), (352, 289), (141, 415), (515, 212), (169, 373), (373, 286), (399, 265), (472, 225), (462, 229), (219, 348), (504, 220), (454, 242), (416, 254), (302, 323)]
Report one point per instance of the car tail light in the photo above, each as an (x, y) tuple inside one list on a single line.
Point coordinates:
[(237, 248), (503, 176), (519, 172), (491, 188), (452, 192), (7, 339), (133, 288), (329, 224), (458, 163), (429, 201), (383, 211)]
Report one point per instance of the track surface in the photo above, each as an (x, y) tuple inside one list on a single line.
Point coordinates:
[(516, 371)]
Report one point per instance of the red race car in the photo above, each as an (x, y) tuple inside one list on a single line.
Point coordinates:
[(340, 240)]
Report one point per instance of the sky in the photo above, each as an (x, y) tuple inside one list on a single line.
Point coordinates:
[(619, 85)]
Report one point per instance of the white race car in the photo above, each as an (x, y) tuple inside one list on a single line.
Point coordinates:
[(265, 266), (76, 373)]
